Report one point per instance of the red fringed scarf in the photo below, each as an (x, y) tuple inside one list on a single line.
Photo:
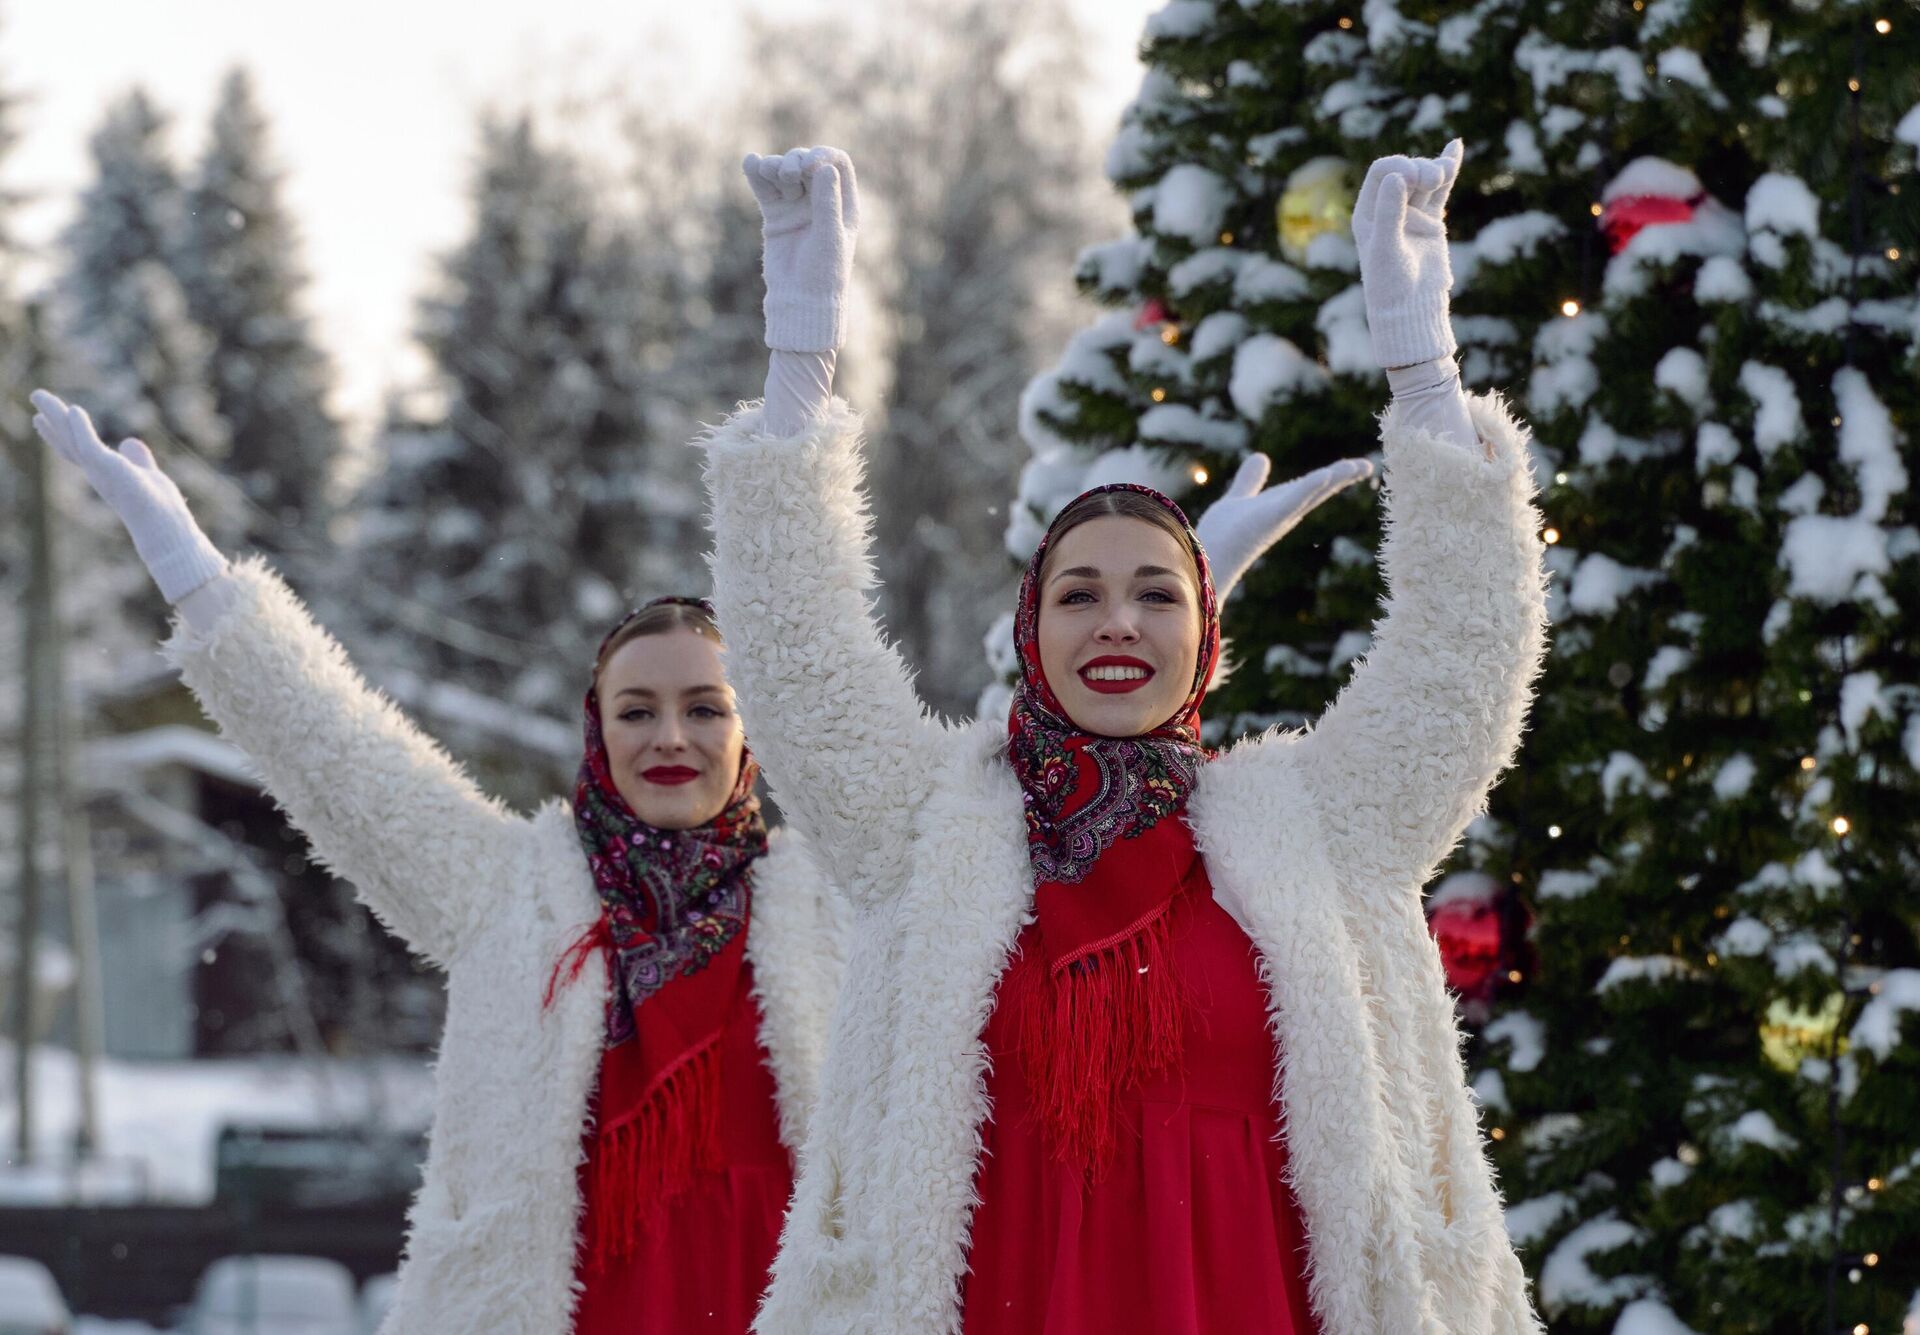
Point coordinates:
[(673, 928), (1106, 1011)]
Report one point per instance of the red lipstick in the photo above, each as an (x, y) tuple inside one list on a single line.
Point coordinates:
[(670, 774), (1108, 684)]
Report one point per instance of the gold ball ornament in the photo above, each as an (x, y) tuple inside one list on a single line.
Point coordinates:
[(1790, 1033), (1318, 199)]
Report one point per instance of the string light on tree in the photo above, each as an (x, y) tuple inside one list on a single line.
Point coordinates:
[(1569, 308), (1200, 476)]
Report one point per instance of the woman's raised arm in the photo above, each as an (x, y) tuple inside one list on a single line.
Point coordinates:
[(1405, 757), (830, 706), (383, 805)]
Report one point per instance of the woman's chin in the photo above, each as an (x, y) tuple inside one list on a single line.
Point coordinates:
[(1115, 715), (669, 810)]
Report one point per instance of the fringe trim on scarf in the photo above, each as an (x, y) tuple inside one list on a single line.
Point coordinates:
[(595, 937), (1096, 1027), (642, 1165)]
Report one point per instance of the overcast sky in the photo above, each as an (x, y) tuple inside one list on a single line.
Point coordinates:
[(373, 105)]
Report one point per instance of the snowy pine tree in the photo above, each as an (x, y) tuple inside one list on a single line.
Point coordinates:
[(1684, 242), (1706, 1090), (503, 533), (238, 262)]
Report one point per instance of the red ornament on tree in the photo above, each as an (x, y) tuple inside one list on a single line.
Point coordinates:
[(1648, 192), (1153, 312), (1467, 918)]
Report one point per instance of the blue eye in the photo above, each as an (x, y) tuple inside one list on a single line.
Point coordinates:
[(1078, 596), (635, 715)]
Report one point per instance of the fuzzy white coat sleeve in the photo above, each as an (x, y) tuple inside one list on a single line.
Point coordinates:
[(382, 804), (829, 706), (1404, 759)]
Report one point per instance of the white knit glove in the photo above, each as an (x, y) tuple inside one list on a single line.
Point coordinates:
[(1246, 521), (810, 206), (1399, 225), (176, 552)]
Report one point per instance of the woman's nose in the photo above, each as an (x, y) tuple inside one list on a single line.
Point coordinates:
[(669, 737), (1118, 630)]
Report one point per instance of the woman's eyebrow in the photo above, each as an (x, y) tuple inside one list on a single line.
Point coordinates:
[(1153, 572), (1076, 572)]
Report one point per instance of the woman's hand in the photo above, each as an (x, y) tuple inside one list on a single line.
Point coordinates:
[(1241, 525), (176, 552), (1399, 225), (810, 205)]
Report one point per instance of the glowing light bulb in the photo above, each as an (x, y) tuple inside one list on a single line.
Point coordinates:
[(1853, 85), (1893, 252), (1346, 23), (1873, 1184), (1882, 26), (1498, 1133), (1513, 975), (1226, 238), (1595, 210), (1808, 762), (1553, 831), (1871, 1258), (1713, 960), (1569, 307), (1159, 395), (1200, 477), (1551, 536), (1170, 335), (1841, 825)]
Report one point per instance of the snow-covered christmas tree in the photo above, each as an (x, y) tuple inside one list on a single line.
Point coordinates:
[(238, 263), (1705, 1090), (1684, 242)]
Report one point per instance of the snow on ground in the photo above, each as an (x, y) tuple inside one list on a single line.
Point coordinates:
[(160, 1120)]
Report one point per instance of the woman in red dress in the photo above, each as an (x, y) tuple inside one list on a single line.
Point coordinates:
[(1136, 1039), (637, 983)]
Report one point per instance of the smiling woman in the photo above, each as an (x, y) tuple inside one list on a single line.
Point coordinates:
[(1136, 1038), (673, 737), (1118, 598)]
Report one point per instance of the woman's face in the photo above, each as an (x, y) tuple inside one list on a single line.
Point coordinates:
[(1119, 625), (673, 737)]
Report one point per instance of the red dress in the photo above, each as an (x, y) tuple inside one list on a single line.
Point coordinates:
[(701, 1265), (1192, 1228)]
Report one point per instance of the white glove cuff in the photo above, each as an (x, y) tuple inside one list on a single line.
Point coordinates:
[(1418, 330), (805, 323), (183, 563)]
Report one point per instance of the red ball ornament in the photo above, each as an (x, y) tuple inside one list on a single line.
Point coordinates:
[(1624, 216), (1465, 916), (1154, 311)]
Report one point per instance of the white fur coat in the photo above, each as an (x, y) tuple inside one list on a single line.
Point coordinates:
[(1317, 842), (493, 899)]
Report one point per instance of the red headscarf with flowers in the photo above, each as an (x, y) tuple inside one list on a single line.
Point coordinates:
[(1111, 854)]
